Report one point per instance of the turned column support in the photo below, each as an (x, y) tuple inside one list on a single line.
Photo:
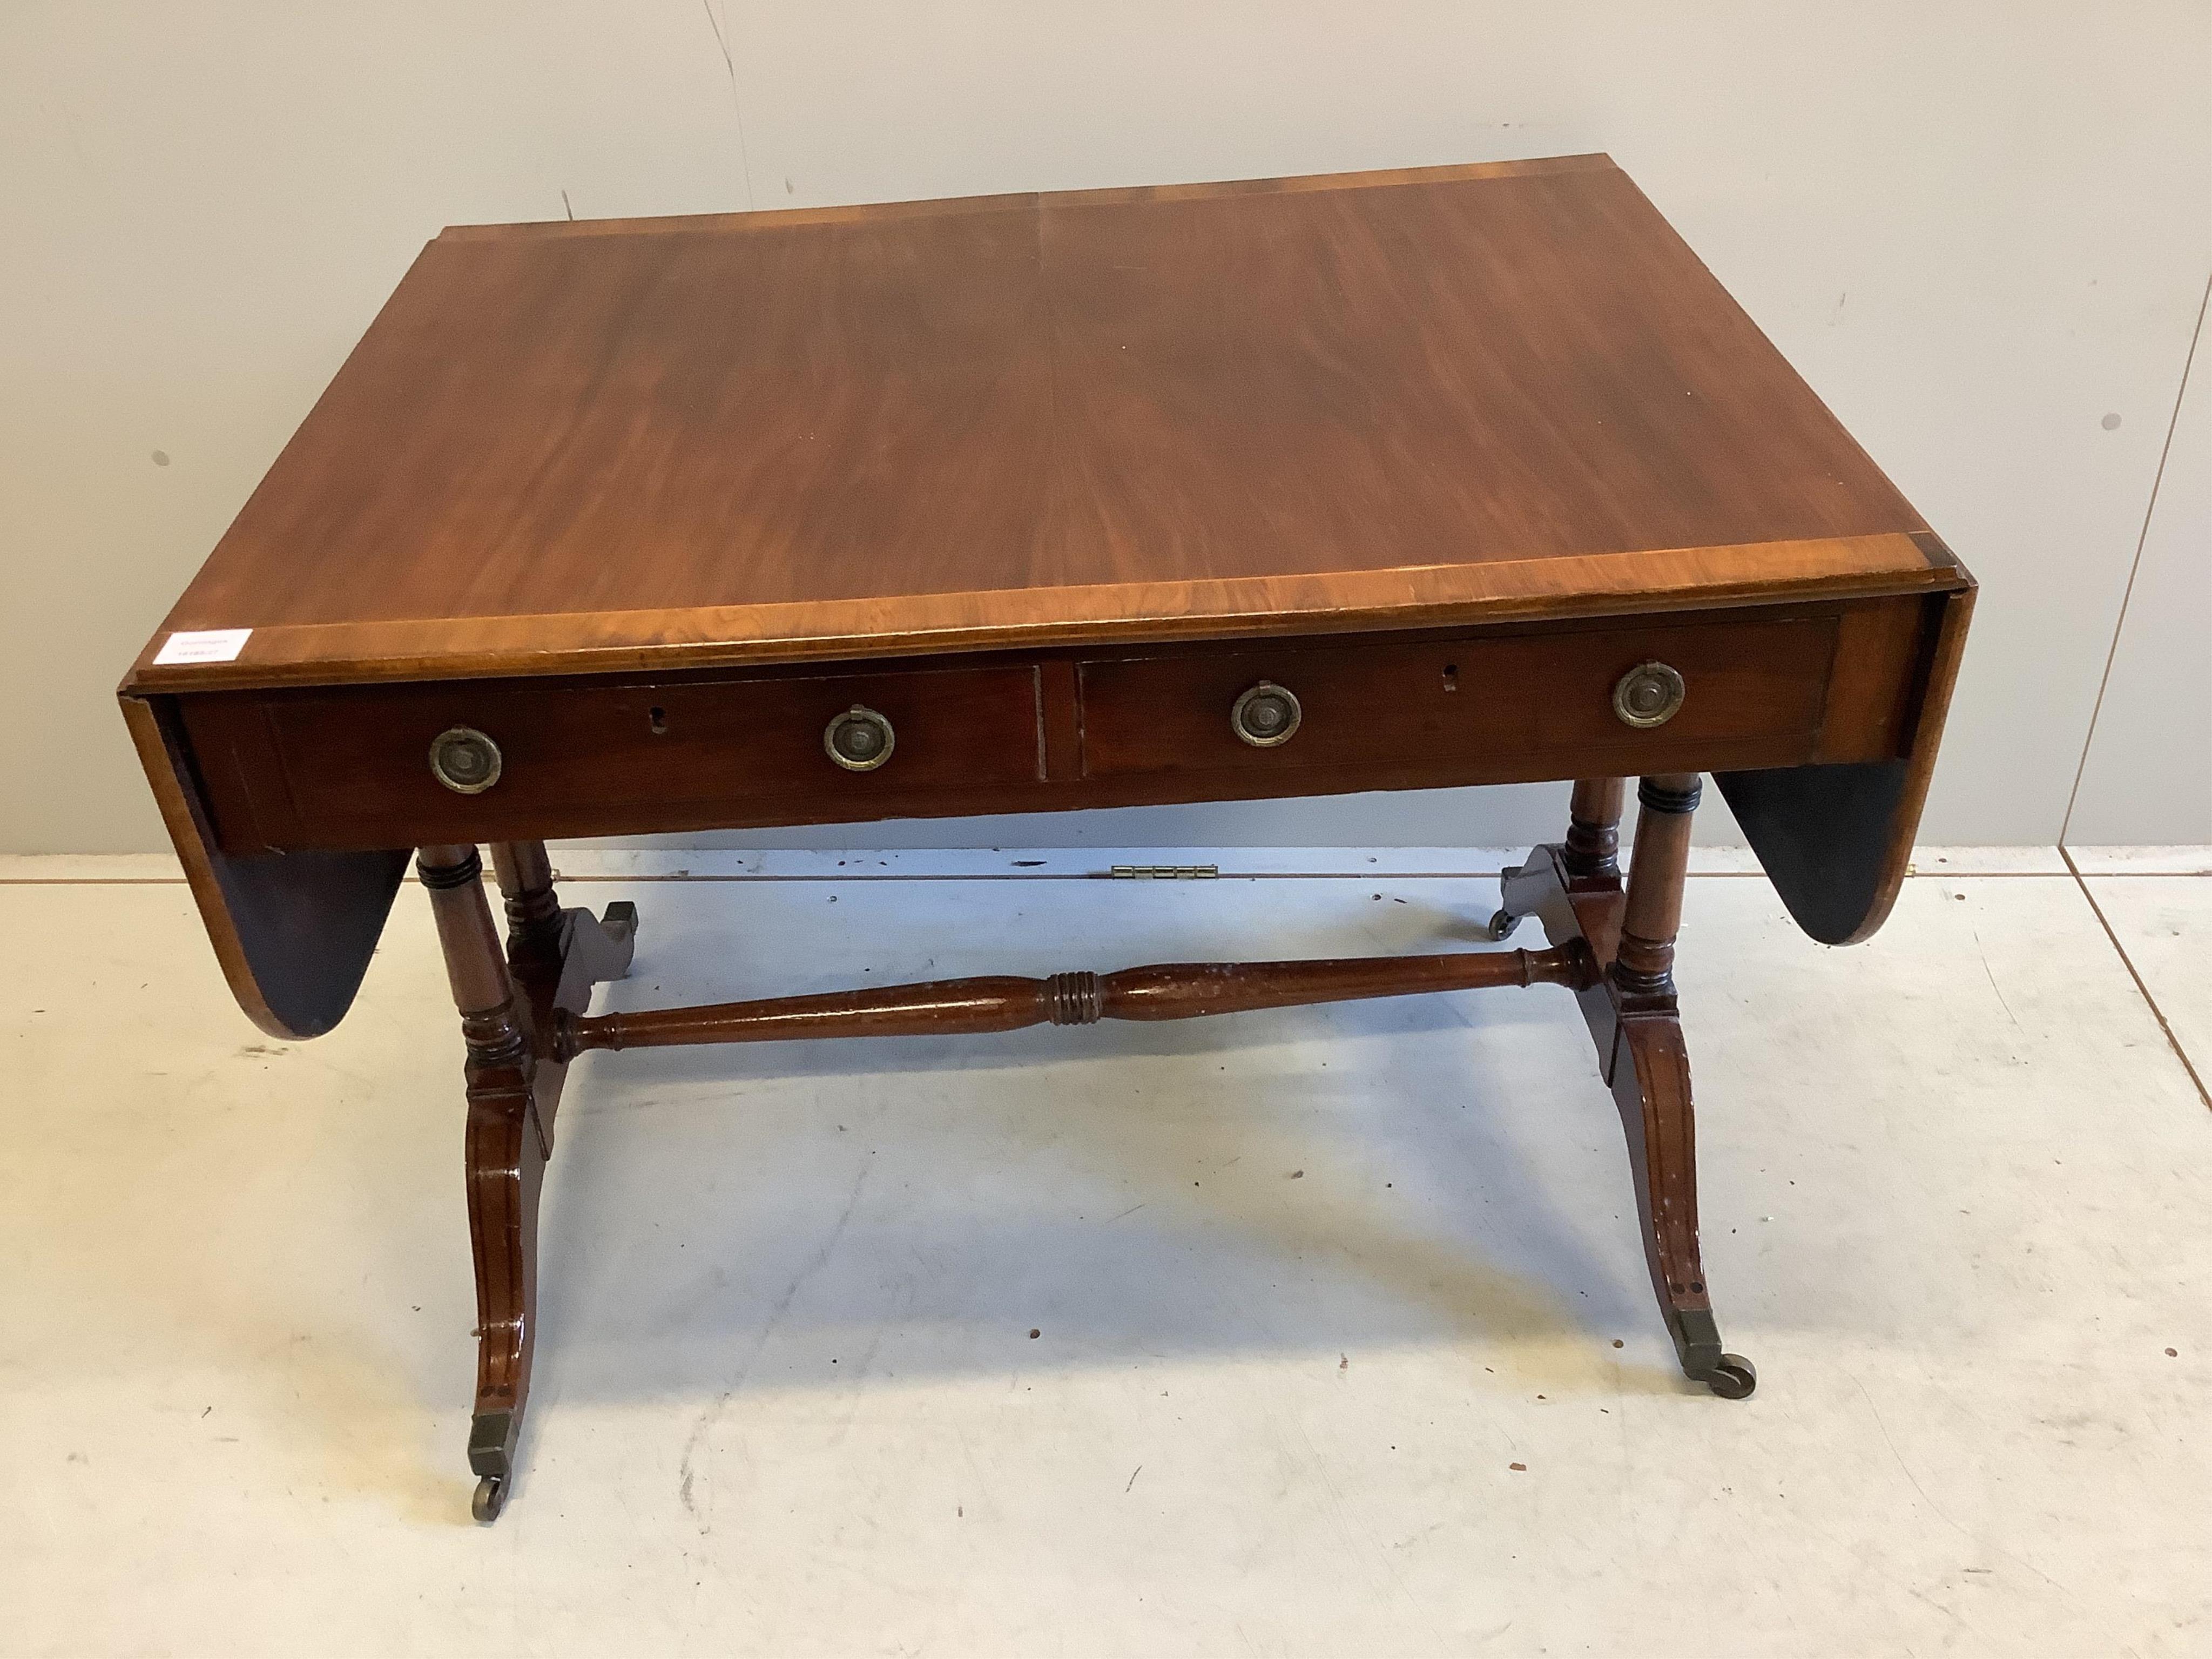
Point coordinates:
[(476, 967), (533, 909), (1644, 966), (1592, 849)]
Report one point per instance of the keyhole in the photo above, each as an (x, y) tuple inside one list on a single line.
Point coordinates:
[(1451, 677), (658, 720)]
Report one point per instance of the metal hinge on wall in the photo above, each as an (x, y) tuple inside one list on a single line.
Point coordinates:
[(1166, 871)]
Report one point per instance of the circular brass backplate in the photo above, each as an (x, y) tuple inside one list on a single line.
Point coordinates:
[(1650, 694), (465, 760), (1265, 716), (859, 739)]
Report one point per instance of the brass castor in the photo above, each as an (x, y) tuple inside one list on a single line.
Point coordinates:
[(490, 1498), (1734, 1378)]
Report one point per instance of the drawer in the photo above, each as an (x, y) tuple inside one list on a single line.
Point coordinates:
[(351, 768), (1492, 708)]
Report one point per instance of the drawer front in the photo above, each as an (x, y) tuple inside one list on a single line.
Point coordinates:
[(344, 768), (352, 768), (1485, 709)]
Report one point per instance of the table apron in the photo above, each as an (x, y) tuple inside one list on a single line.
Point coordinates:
[(348, 768)]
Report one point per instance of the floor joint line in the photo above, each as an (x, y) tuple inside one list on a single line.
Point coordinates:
[(2150, 1001)]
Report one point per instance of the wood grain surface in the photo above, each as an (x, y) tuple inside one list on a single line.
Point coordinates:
[(1369, 400)]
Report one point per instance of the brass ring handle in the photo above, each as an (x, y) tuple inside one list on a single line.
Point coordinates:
[(859, 739), (1267, 716), (465, 760), (1650, 694)]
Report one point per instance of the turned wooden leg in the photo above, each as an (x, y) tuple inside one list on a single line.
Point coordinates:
[(509, 1003), (1649, 1071), (1575, 888), (554, 957), (505, 1161)]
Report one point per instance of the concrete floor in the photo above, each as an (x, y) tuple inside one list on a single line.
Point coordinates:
[(1343, 1342)]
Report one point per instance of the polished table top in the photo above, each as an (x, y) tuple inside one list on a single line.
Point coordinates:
[(1444, 396)]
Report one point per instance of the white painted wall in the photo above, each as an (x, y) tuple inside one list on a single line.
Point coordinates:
[(1979, 230), (2147, 775)]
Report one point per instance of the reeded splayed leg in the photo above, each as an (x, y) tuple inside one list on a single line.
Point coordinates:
[(1575, 888), (505, 1161), (506, 999), (1649, 1071)]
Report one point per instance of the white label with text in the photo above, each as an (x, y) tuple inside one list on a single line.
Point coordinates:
[(203, 645)]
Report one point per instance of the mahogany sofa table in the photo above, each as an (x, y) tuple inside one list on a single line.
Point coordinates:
[(1405, 480)]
